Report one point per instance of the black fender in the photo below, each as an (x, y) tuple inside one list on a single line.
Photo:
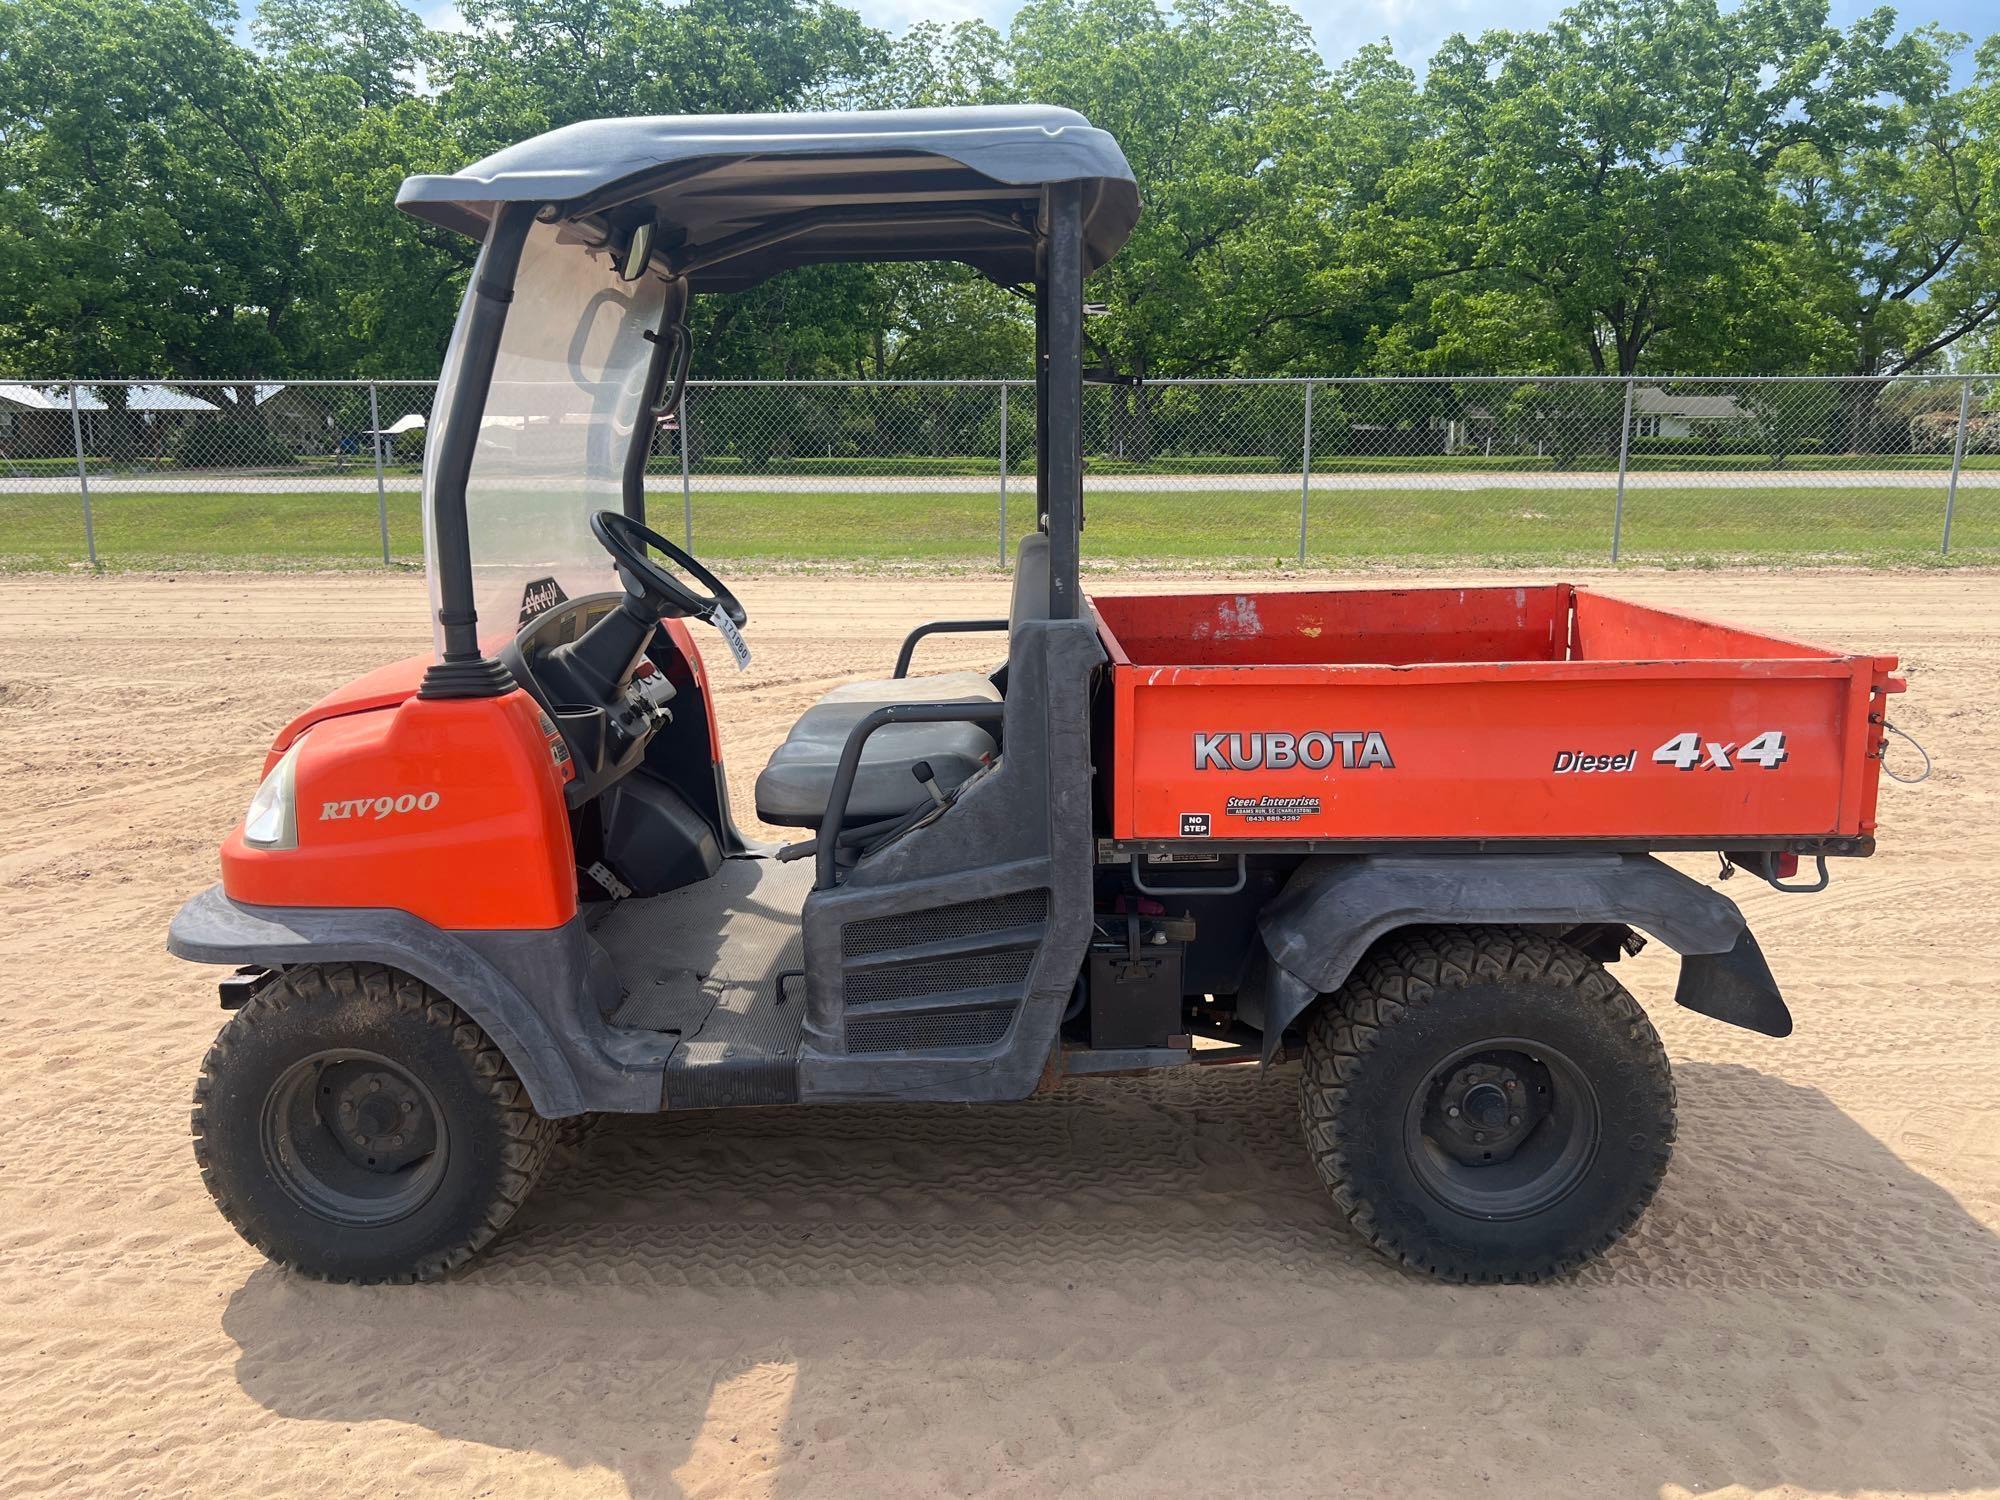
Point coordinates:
[(1335, 906), (531, 992)]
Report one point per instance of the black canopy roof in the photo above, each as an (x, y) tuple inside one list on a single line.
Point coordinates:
[(742, 197)]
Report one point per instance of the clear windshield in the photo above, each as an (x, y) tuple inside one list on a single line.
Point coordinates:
[(566, 393)]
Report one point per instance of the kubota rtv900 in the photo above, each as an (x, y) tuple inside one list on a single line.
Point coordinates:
[(1402, 833)]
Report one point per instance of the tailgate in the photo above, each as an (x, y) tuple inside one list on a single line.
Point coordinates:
[(1643, 727)]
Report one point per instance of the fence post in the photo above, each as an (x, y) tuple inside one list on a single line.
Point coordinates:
[(687, 494), (1305, 473), (1624, 459), (1957, 461), (82, 477), (381, 490), (1003, 474)]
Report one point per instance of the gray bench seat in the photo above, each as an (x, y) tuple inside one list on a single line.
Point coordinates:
[(793, 789)]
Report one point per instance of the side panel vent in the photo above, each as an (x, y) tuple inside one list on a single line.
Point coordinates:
[(979, 1026), (940, 976), (939, 924)]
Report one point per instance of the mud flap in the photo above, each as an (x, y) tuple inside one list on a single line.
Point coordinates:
[(1736, 987)]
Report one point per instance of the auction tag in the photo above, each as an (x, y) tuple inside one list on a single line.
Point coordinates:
[(719, 618)]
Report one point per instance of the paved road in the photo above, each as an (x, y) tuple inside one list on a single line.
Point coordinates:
[(1758, 479)]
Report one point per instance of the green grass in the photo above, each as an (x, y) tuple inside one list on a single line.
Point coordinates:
[(1409, 525), (215, 531)]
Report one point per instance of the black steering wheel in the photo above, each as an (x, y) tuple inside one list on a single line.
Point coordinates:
[(652, 585)]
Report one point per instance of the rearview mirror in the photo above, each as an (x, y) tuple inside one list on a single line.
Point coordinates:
[(638, 252)]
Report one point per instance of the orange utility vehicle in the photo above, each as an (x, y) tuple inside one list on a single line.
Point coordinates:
[(1400, 834)]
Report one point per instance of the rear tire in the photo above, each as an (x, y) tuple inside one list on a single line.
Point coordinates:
[(1486, 1104), (355, 1125)]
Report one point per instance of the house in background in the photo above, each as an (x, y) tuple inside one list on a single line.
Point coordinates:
[(1658, 413), (36, 421), (300, 417), (266, 422)]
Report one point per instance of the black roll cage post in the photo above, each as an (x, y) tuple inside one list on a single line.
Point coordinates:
[(1059, 392), (464, 672), (672, 351), (1059, 486)]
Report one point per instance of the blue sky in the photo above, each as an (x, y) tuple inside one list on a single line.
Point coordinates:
[(1415, 27)]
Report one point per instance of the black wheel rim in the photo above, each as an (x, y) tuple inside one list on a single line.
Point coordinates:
[(1502, 1129), (354, 1137)]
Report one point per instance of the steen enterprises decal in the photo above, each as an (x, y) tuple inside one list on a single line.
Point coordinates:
[(1271, 809)]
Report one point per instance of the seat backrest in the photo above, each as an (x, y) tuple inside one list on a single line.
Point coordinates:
[(1031, 581)]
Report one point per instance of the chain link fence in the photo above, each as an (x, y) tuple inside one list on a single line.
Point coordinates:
[(1319, 473)]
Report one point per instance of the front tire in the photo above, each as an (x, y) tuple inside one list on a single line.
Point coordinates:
[(355, 1125), (1486, 1104)]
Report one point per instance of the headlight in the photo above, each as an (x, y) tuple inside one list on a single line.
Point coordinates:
[(273, 821)]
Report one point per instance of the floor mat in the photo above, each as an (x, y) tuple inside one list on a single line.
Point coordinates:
[(705, 962)]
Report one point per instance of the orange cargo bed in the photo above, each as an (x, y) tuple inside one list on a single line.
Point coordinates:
[(1506, 715)]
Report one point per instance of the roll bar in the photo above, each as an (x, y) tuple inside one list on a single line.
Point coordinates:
[(1059, 358), (671, 353), (464, 672)]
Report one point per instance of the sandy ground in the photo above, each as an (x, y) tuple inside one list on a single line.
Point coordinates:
[(1132, 1288)]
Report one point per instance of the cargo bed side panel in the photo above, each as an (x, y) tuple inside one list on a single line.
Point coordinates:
[(1397, 627), (1628, 750), (1609, 629)]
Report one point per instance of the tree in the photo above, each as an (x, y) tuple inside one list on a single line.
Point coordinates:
[(1643, 183), (934, 66), (388, 285), (529, 65), (945, 322), (144, 225), (1224, 112), (1898, 232), (1611, 176), (376, 44), (1218, 108)]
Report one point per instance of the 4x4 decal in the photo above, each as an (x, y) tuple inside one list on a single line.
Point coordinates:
[(1689, 751)]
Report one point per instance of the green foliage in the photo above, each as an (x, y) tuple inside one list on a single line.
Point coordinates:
[(145, 224), (376, 45), (1574, 423), (228, 442), (1219, 108), (1641, 185)]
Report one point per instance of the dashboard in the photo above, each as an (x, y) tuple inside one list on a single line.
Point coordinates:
[(587, 663), (561, 624)]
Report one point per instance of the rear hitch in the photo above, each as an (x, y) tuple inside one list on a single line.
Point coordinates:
[(1775, 869), (237, 989)]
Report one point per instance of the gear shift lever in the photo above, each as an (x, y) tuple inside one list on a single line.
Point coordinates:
[(922, 771)]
